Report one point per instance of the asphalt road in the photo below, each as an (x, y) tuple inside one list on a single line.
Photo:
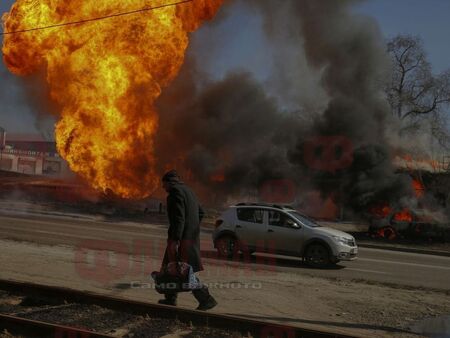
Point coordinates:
[(372, 265)]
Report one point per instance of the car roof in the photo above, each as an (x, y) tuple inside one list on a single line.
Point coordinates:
[(264, 206)]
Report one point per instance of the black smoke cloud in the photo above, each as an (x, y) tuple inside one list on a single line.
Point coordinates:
[(351, 51), (229, 128), (233, 128)]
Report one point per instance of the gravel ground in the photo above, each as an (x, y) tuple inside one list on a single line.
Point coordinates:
[(149, 328), (98, 319)]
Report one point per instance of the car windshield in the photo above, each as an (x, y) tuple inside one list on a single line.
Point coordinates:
[(304, 219)]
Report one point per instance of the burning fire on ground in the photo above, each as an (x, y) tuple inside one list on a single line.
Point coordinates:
[(405, 215), (418, 188), (402, 215), (106, 76)]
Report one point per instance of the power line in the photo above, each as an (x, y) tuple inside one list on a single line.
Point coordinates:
[(145, 9)]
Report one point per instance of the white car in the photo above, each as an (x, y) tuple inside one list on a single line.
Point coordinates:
[(280, 230)]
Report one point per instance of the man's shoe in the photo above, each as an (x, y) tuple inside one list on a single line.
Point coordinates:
[(207, 305), (167, 302)]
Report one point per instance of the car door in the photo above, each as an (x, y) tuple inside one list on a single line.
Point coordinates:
[(251, 226), (284, 233)]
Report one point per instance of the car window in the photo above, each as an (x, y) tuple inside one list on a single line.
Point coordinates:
[(280, 219), (250, 215), (304, 219)]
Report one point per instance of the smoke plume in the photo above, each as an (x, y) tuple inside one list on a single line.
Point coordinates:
[(231, 135)]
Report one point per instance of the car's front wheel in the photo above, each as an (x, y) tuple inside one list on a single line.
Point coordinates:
[(317, 256), (227, 247)]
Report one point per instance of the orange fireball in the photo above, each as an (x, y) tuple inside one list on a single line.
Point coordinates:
[(106, 76)]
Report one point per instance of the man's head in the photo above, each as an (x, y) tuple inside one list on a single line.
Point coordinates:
[(169, 179)]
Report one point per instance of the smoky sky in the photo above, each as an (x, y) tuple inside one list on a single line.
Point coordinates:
[(237, 42), (15, 112), (319, 75), (25, 105), (237, 133)]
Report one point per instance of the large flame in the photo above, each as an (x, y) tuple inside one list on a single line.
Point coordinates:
[(106, 76)]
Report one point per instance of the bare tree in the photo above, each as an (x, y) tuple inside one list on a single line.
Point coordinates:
[(414, 93)]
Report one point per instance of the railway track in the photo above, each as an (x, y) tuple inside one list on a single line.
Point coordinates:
[(34, 328), (255, 328)]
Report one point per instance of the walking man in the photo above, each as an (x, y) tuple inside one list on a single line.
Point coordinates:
[(183, 242)]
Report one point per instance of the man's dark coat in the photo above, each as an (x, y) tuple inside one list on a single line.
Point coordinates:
[(185, 215)]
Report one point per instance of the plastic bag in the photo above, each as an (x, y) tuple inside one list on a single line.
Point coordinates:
[(175, 277)]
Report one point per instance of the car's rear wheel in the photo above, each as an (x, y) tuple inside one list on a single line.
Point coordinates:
[(227, 246), (317, 255)]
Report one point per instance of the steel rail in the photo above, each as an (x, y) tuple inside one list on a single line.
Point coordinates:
[(256, 328), (34, 328)]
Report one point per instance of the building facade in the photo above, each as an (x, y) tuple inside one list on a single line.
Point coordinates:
[(31, 155)]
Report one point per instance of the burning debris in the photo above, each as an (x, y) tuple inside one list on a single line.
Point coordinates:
[(419, 224), (422, 217)]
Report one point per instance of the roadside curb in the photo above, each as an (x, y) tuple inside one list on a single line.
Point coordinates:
[(30, 212), (401, 249)]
